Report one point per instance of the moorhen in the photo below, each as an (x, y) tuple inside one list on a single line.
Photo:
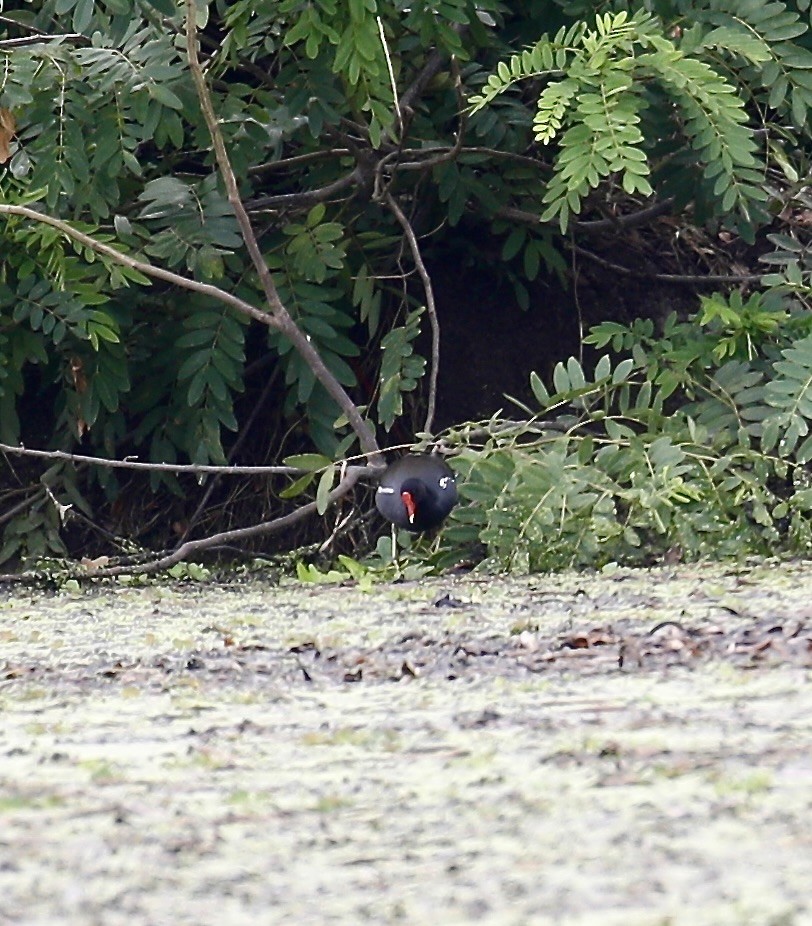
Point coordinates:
[(416, 492)]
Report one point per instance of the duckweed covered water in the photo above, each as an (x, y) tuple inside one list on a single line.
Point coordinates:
[(458, 751)]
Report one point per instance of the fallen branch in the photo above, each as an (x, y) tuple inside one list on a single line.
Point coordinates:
[(191, 547)]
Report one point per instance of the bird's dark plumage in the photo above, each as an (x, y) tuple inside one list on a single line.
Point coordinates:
[(417, 492)]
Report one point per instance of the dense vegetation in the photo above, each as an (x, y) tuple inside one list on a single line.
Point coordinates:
[(364, 138)]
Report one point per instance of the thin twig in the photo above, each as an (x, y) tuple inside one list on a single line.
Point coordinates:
[(295, 160), (682, 278), (42, 38), (213, 483), (431, 308), (31, 495), (592, 226), (391, 71), (191, 468)]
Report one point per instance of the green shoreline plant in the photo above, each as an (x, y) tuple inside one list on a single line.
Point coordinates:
[(696, 443)]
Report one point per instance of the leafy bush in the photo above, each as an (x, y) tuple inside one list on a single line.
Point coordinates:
[(622, 98), (327, 109), (620, 466)]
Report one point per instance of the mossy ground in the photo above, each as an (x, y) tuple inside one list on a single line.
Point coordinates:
[(451, 751)]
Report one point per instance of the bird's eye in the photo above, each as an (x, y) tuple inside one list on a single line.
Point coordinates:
[(444, 480)]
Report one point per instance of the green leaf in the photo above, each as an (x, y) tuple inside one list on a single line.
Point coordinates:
[(83, 14), (164, 96), (308, 461), (539, 390), (561, 381), (324, 488), (297, 486), (622, 371)]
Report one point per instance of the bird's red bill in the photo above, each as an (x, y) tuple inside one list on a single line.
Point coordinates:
[(411, 508)]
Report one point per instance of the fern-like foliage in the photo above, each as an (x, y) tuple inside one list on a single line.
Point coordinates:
[(599, 88), (761, 38), (609, 469), (401, 368), (790, 393)]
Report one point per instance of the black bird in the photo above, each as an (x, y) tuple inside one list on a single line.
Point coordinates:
[(416, 492)]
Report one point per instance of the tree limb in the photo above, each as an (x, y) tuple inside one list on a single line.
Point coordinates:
[(150, 270), (592, 226), (308, 197), (431, 308), (191, 468), (283, 321), (295, 160), (693, 279)]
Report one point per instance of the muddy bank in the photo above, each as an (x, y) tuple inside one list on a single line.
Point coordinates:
[(454, 751)]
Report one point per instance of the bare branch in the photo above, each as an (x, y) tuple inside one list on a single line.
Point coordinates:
[(192, 468), (632, 220), (431, 308), (593, 226), (686, 278), (308, 197), (158, 273), (295, 160), (191, 547), (282, 318)]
